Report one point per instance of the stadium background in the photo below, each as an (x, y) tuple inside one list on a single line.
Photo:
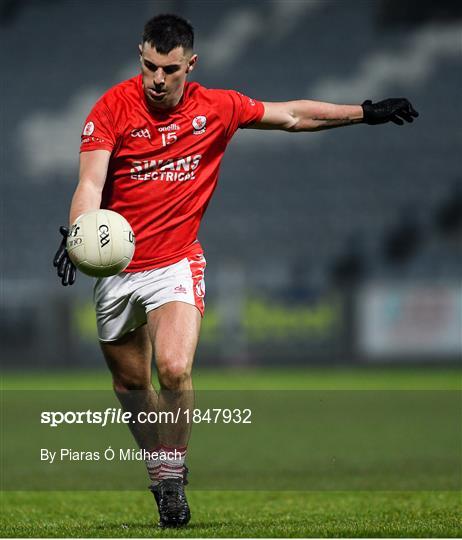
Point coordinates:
[(335, 248), (323, 248)]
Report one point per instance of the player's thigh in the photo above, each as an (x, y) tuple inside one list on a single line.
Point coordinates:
[(129, 359), (174, 328)]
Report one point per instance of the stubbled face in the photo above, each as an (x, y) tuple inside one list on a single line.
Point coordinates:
[(164, 75)]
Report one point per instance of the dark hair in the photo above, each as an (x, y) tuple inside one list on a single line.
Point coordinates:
[(166, 32)]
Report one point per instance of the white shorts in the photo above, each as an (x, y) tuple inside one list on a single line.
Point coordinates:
[(122, 301)]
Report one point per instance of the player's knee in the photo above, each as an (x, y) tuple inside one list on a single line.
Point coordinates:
[(130, 383), (173, 373)]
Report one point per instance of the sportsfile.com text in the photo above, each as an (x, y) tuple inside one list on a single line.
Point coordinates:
[(112, 415)]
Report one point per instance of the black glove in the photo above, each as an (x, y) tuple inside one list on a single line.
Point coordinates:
[(395, 110), (66, 268)]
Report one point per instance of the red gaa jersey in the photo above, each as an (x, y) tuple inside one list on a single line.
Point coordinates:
[(164, 164)]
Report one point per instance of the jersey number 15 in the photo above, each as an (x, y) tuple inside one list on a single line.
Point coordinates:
[(168, 138)]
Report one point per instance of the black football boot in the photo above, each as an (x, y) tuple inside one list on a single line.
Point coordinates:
[(171, 502)]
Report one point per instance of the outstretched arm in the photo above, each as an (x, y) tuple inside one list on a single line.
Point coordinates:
[(306, 115), (87, 196), (92, 177)]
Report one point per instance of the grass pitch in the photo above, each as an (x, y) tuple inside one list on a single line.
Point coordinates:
[(235, 514), (132, 514)]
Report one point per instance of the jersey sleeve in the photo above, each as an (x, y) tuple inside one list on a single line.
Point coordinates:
[(99, 130), (238, 111)]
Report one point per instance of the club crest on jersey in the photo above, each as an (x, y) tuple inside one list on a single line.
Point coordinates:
[(198, 124), (89, 128)]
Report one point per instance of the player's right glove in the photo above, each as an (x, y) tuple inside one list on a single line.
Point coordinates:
[(61, 261), (396, 110)]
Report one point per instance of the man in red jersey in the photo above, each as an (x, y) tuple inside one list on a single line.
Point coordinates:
[(151, 150)]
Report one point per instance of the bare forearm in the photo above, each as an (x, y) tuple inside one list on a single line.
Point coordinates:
[(317, 115), (87, 197), (306, 115)]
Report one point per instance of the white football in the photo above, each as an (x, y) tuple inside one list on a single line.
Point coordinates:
[(101, 243)]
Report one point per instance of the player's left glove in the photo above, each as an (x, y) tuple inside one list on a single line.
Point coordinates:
[(395, 110), (61, 261)]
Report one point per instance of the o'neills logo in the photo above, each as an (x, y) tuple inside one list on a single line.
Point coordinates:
[(171, 127), (169, 170)]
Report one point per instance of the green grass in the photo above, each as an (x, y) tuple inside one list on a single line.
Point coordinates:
[(235, 514), (131, 514)]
